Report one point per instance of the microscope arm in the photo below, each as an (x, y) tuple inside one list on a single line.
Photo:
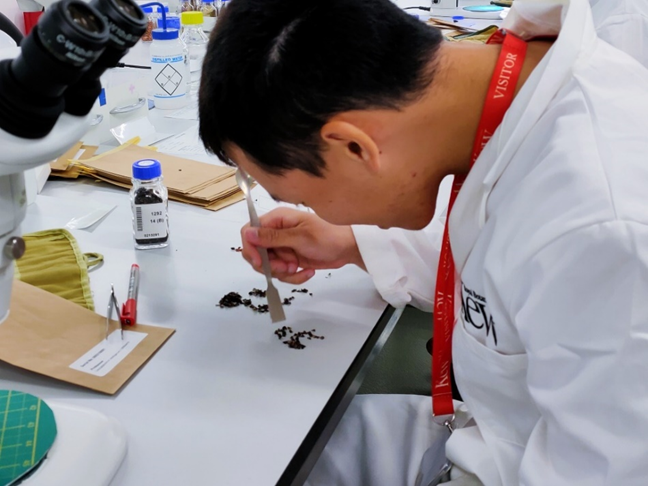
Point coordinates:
[(19, 154)]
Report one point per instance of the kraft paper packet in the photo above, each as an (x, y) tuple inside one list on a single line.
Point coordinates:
[(45, 334), (77, 151), (184, 176)]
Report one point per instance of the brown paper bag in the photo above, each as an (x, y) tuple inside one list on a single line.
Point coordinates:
[(46, 334), (63, 163), (183, 175)]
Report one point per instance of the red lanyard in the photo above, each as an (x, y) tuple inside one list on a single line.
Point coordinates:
[(498, 100)]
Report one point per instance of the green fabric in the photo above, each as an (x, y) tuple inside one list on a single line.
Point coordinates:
[(54, 262)]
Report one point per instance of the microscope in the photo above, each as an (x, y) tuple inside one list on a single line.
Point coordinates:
[(48, 86)]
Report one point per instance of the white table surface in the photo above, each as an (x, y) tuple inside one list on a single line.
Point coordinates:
[(224, 401)]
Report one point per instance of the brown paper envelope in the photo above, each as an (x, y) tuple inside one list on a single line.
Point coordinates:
[(214, 205), (71, 173), (45, 334), (228, 201), (213, 191), (183, 175), (63, 162)]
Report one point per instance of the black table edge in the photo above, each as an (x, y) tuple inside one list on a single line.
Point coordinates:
[(310, 449)]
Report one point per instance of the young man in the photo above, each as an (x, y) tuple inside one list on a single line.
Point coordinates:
[(358, 111)]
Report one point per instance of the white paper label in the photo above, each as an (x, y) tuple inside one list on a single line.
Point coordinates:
[(150, 221), (101, 359), (169, 74)]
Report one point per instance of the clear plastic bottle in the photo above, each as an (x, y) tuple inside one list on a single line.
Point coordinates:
[(196, 41), (149, 202), (169, 73)]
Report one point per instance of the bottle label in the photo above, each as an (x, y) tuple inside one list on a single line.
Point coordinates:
[(150, 221), (169, 76)]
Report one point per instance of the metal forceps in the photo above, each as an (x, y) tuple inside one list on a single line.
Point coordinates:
[(112, 305)]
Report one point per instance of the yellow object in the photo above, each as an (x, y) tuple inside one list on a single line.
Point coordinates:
[(191, 18), (54, 262), (481, 36)]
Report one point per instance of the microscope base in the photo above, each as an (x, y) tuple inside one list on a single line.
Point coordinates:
[(88, 450)]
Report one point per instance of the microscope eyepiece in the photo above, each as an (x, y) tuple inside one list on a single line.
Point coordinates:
[(73, 32), (126, 25), (126, 22), (62, 60), (85, 19)]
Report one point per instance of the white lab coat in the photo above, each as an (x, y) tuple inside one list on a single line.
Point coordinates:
[(405, 279), (624, 24), (550, 237)]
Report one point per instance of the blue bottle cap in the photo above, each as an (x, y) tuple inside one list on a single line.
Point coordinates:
[(147, 169), (169, 34), (173, 22)]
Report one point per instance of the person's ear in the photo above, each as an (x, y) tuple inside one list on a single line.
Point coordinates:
[(346, 141)]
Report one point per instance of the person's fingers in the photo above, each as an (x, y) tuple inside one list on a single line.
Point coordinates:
[(278, 265), (273, 238), (282, 218), (250, 252), (299, 277), (287, 255)]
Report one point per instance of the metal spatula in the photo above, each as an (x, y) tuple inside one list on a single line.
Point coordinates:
[(274, 300)]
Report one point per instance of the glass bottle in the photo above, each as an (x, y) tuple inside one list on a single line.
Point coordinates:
[(149, 202), (196, 42), (209, 15)]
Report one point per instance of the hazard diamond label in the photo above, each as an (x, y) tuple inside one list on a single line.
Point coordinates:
[(169, 79)]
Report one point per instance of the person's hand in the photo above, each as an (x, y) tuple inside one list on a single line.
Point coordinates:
[(299, 243)]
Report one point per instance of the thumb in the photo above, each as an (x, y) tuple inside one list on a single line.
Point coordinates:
[(271, 237)]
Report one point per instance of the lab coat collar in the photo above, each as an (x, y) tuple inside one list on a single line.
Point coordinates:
[(528, 18), (576, 35)]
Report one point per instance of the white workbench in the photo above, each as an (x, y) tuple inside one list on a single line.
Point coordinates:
[(223, 402)]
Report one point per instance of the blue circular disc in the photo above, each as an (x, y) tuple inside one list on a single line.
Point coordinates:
[(484, 8), (27, 432)]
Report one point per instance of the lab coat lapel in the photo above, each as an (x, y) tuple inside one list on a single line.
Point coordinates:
[(469, 212)]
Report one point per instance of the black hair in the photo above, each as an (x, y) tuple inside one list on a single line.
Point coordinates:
[(277, 70)]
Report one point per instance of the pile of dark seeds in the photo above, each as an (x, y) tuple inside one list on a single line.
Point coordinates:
[(257, 293), (302, 291), (234, 299), (294, 338)]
